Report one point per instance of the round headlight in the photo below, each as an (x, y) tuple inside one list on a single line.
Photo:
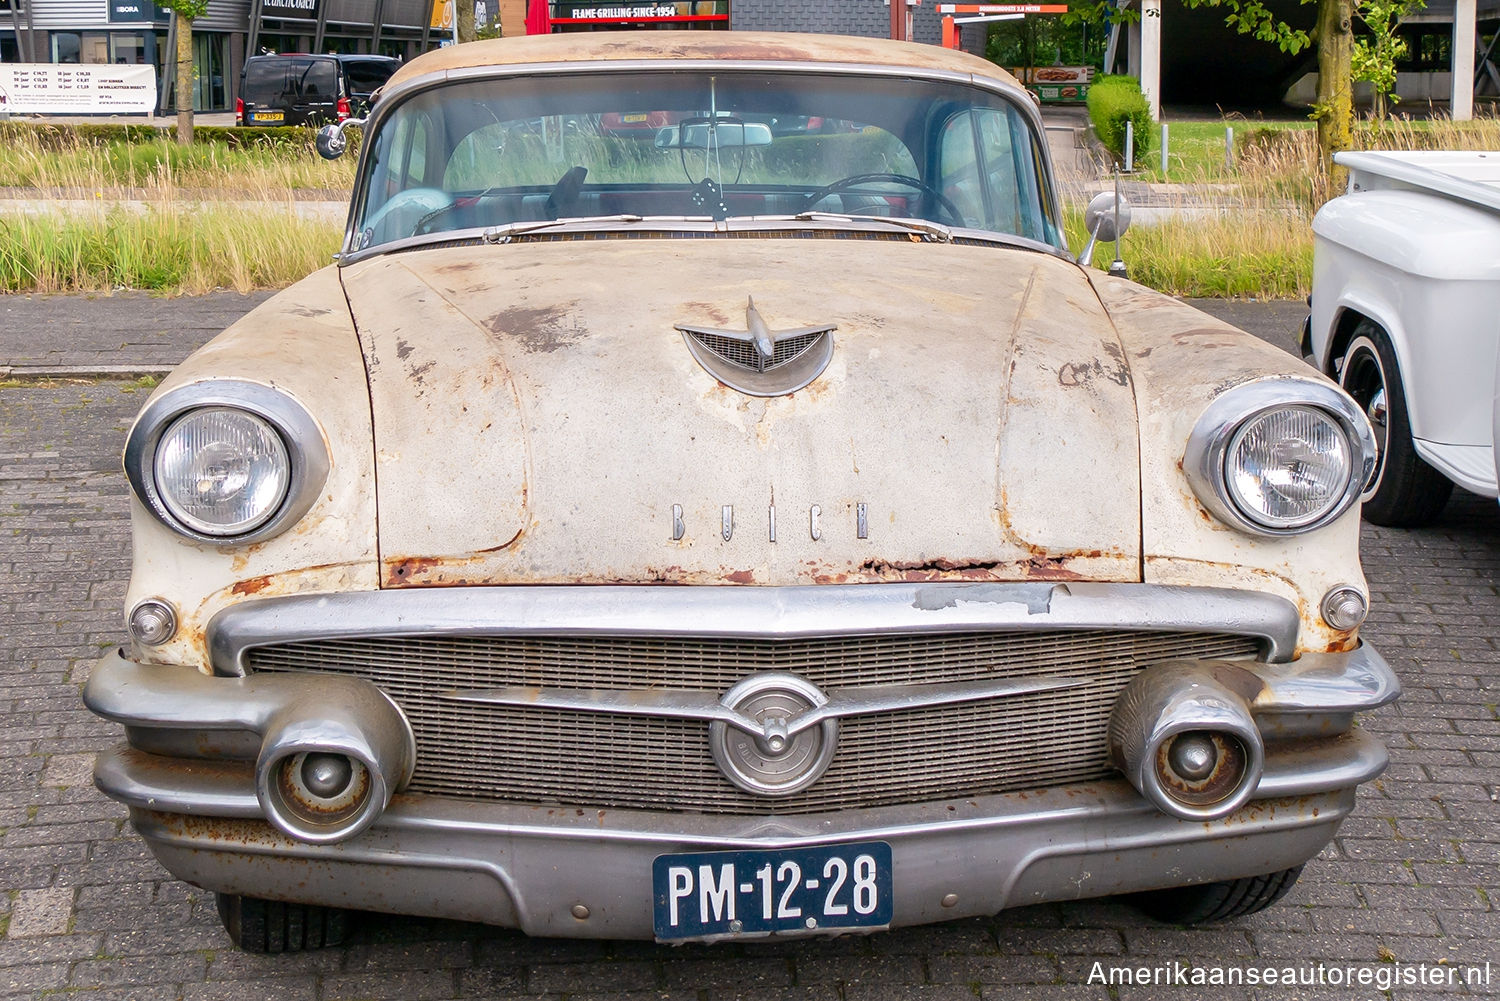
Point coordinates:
[(1280, 455), (1287, 468), (222, 471)]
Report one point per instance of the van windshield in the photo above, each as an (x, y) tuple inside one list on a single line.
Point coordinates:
[(287, 80)]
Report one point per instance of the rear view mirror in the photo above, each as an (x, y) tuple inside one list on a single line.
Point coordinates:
[(332, 142), (704, 133), (1107, 218)]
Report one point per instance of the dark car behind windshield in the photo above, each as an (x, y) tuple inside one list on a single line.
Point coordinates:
[(309, 89)]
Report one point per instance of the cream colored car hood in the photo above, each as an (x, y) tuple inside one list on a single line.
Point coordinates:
[(537, 416)]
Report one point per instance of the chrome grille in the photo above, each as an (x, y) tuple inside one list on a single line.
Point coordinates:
[(585, 759), (743, 353)]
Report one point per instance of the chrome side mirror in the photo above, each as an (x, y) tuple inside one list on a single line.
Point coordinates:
[(1107, 218), (331, 141)]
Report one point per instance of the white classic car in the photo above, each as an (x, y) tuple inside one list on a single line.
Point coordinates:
[(1406, 294), (732, 530)]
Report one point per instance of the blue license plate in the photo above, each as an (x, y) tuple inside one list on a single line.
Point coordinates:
[(717, 894)]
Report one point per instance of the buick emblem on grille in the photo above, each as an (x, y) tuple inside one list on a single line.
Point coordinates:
[(759, 361), (781, 759)]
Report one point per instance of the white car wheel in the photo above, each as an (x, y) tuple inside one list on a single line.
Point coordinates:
[(1404, 491)]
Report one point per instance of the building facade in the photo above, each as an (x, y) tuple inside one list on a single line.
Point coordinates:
[(139, 32)]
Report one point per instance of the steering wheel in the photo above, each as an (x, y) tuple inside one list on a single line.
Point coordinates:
[(855, 180)]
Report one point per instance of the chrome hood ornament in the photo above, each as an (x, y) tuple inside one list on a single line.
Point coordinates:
[(759, 361)]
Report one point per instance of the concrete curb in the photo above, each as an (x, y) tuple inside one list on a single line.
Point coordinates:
[(28, 373)]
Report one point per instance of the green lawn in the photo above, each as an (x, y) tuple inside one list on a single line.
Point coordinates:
[(1196, 149)]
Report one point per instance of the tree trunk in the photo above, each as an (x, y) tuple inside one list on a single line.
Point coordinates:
[(1335, 110), (464, 11), (184, 80)]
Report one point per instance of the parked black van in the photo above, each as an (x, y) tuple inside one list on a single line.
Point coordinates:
[(298, 89)]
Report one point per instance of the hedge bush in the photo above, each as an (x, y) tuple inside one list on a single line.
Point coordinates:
[(64, 137), (1113, 101)]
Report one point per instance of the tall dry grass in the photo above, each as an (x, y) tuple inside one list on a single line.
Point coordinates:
[(89, 216), (179, 249), (186, 220), (1252, 235), (116, 169)]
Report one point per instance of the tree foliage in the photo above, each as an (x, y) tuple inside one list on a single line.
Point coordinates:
[(190, 9), (1333, 35), (1375, 57)]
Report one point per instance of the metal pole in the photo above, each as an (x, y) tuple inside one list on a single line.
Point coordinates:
[(1129, 145), (378, 26), (15, 25), (25, 44), (322, 29), (1164, 151), (252, 43), (168, 69), (1151, 55), (1229, 148), (1461, 101)]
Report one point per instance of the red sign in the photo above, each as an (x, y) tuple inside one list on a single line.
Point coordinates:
[(1002, 8)]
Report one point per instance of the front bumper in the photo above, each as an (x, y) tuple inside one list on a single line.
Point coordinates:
[(538, 868), (200, 800)]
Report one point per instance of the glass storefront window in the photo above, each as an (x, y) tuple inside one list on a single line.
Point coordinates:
[(127, 47), (208, 70), (65, 46), (95, 48)]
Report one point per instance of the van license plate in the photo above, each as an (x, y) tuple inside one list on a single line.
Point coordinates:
[(268, 116), (718, 894)]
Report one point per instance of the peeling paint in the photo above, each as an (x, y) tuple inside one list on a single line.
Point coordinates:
[(543, 329)]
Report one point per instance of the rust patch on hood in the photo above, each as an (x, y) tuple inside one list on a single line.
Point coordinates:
[(438, 571), (253, 585), (708, 310), (1202, 337), (1082, 373), (1037, 567), (543, 328)]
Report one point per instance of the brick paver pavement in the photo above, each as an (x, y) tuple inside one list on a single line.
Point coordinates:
[(1414, 876)]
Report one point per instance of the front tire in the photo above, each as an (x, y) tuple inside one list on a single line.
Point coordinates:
[(271, 926), (1405, 492), (1209, 902)]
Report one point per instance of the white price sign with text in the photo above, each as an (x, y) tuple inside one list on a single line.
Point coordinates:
[(76, 88)]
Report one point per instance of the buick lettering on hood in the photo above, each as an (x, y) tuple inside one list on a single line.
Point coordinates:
[(706, 499)]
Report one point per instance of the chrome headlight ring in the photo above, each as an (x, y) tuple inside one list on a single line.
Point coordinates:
[(1220, 427), (299, 434)]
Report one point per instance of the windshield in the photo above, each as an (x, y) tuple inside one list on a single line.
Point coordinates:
[(287, 80), (706, 145)]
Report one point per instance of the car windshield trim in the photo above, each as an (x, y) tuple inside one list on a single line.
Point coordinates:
[(811, 221)]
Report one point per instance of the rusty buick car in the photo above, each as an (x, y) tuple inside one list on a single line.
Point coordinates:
[(736, 531)]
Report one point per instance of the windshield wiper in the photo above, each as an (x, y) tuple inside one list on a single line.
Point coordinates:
[(503, 234), (937, 231)]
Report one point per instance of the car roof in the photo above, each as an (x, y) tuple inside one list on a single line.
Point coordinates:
[(748, 46), (343, 57)]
